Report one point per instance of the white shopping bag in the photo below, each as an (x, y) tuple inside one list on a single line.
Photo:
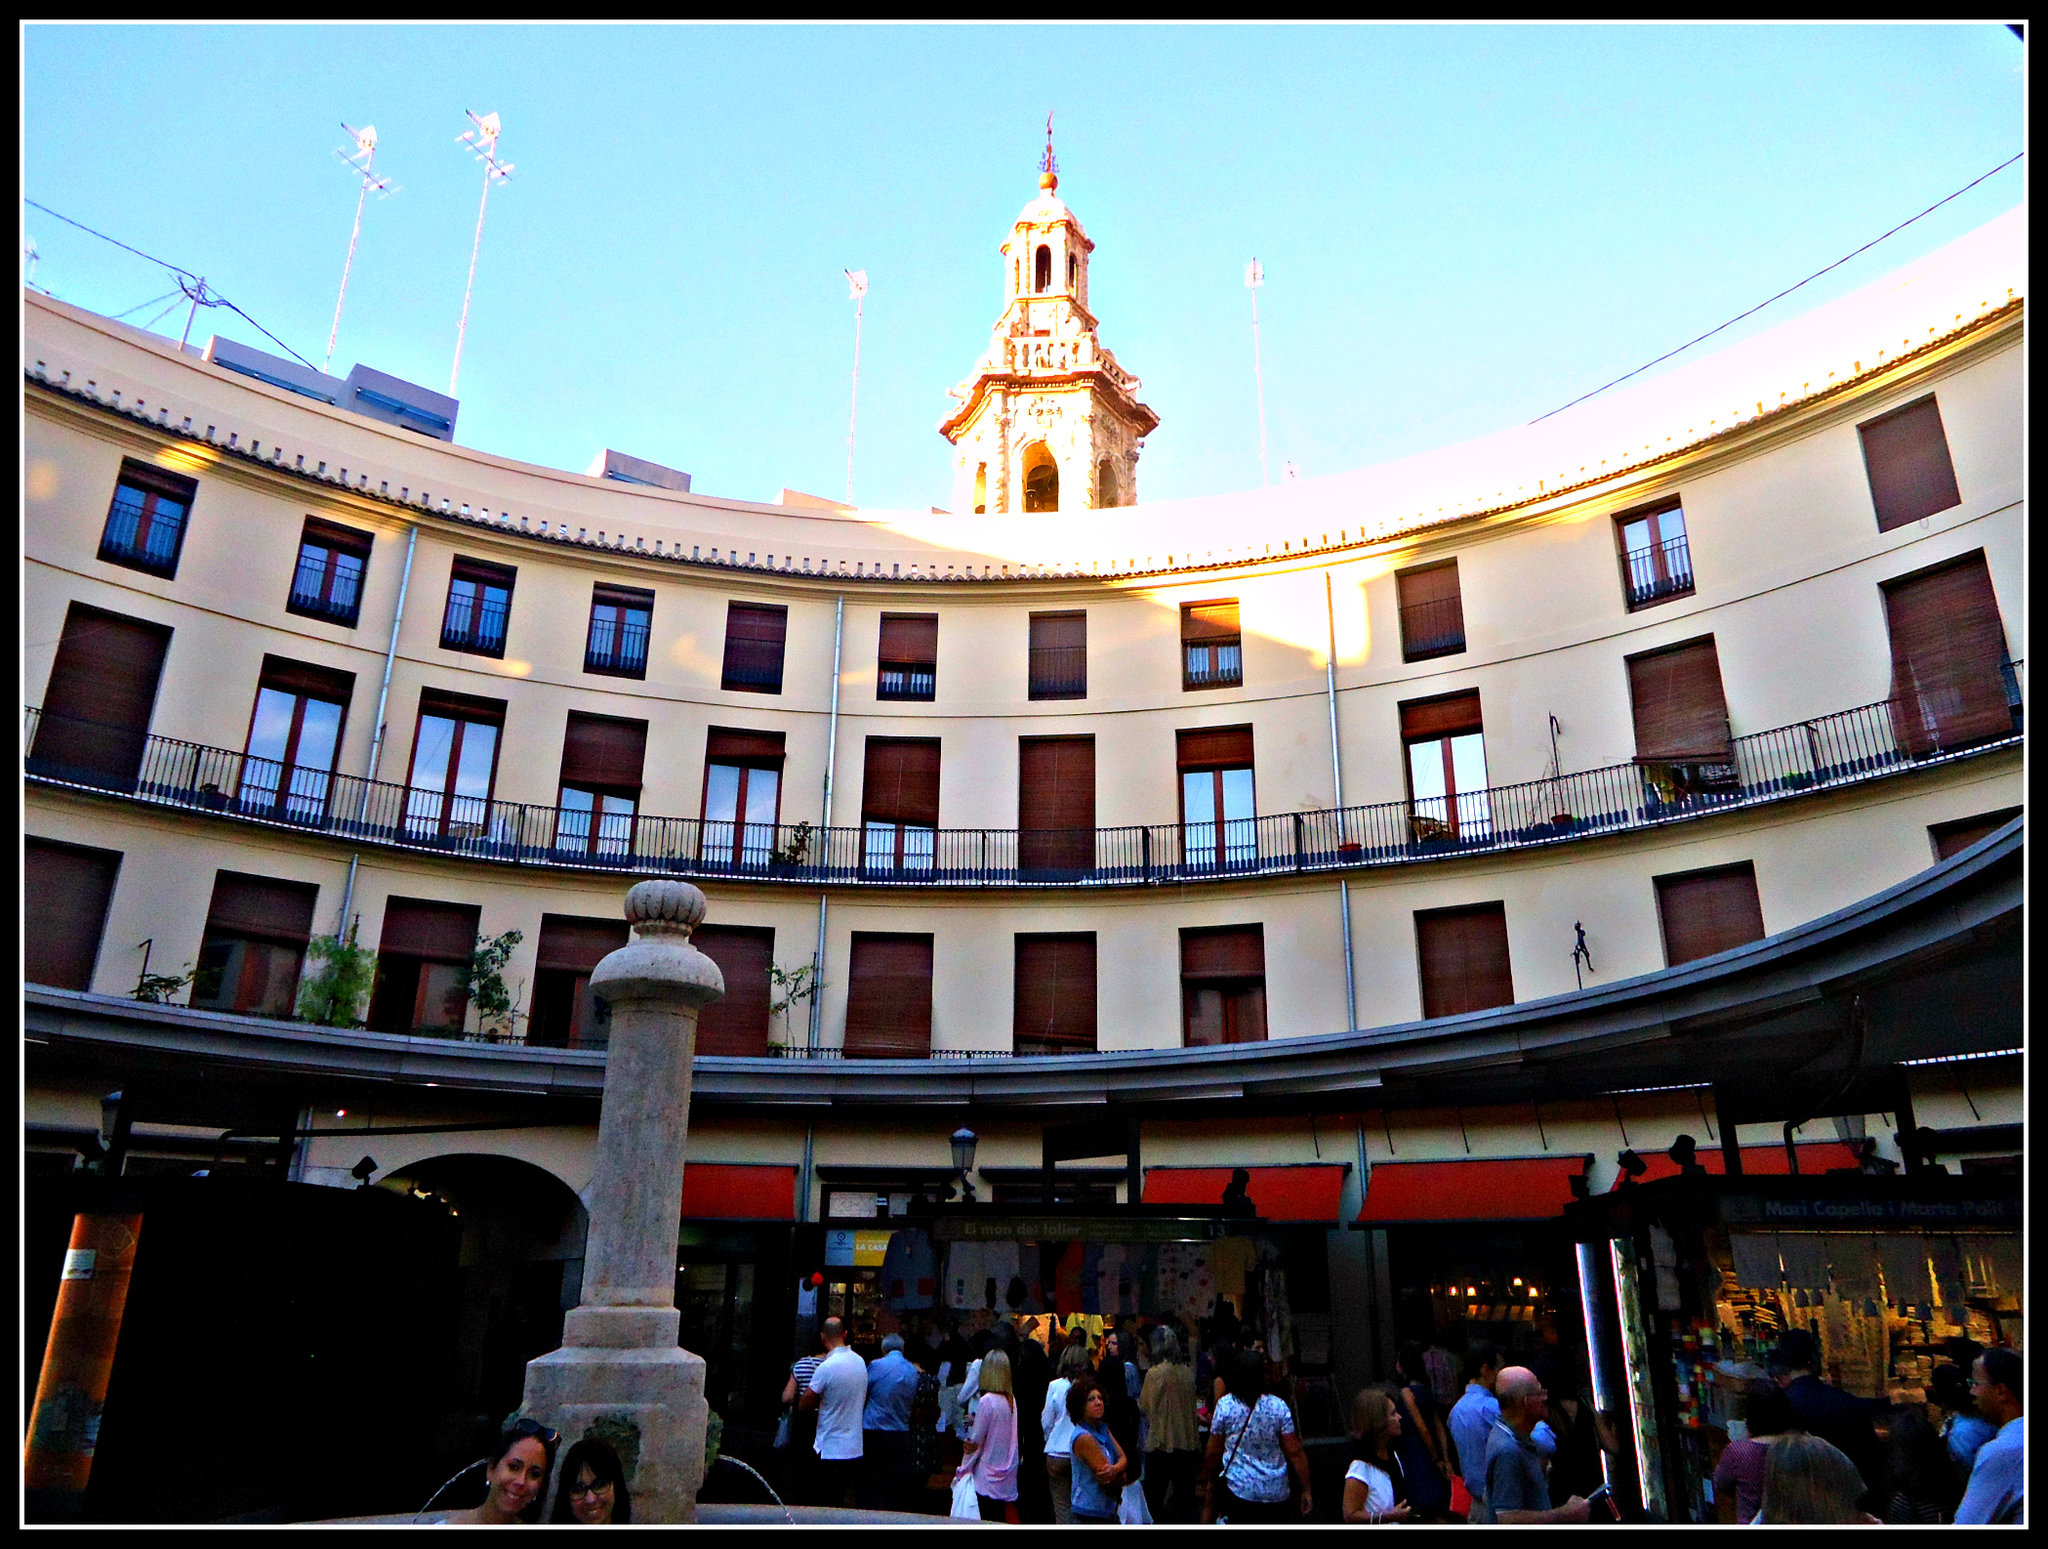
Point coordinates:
[(1132, 1509), (964, 1502)]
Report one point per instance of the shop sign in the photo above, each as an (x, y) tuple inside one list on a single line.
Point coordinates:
[(1053, 1228), (848, 1247), (1823, 1211)]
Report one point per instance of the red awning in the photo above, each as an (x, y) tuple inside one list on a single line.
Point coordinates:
[(1815, 1156), (723, 1191), (1309, 1192), (1522, 1188)]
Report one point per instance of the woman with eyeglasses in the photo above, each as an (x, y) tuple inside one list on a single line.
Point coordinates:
[(516, 1476), (593, 1489)]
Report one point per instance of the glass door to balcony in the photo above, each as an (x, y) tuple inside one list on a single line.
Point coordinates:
[(740, 807), (292, 743), (1218, 826)]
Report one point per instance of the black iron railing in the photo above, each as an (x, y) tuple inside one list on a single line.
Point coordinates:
[(1059, 672), (472, 625), (1433, 628), (343, 596), (142, 531), (615, 648), (906, 680), (1212, 664), (1655, 573)]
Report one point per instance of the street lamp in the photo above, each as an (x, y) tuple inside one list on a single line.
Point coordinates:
[(963, 1160)]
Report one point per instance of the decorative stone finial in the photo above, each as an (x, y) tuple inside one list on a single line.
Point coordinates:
[(664, 907)]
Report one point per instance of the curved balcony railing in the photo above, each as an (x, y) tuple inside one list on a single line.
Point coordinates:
[(1847, 748)]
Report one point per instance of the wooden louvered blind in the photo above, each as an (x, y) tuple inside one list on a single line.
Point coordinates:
[(268, 907), (1705, 912), (100, 696), (1906, 456), (1235, 952), (335, 536), (1432, 611), (1056, 802), (1464, 959), (1214, 747), (738, 1021), (1954, 838), (735, 745), (754, 636), (1948, 651), (577, 943), (1059, 631), (1681, 715), (1055, 994), (66, 889), (306, 678), (889, 997), (462, 707), (1209, 621), (1454, 715), (599, 751), (900, 783), (419, 927), (910, 639)]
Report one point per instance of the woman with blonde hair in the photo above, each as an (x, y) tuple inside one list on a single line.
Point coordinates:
[(1374, 1488), (1807, 1480), (991, 1451)]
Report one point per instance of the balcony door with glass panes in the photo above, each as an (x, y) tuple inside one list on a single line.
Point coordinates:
[(742, 797), (294, 735), (454, 762), (602, 762), (1446, 751), (1219, 828), (900, 804), (1656, 563)]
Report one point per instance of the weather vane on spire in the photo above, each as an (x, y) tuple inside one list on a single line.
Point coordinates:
[(1049, 165)]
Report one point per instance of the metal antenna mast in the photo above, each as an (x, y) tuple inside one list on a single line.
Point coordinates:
[(358, 160), (857, 293), (1254, 277), (28, 251), (483, 140)]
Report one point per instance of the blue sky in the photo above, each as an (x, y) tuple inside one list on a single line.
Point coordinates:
[(1461, 227)]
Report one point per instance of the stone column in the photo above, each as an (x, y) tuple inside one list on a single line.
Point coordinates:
[(620, 1374)]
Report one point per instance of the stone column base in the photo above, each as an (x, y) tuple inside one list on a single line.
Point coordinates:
[(647, 1404)]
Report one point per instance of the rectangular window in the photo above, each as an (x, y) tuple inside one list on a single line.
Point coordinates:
[(1463, 955), (294, 736), (1954, 838), (94, 725), (328, 581), (1446, 755), (479, 604), (754, 634), (565, 1015), (602, 761), (1054, 1008), (620, 617), (422, 967), (1683, 742), (67, 888), (1223, 986), (1219, 827), (454, 766), (1432, 612), (1704, 912), (742, 796), (899, 803), (1906, 455), (908, 664), (1952, 682), (1211, 648), (1655, 563), (737, 1022), (255, 944), (1055, 806), (146, 523), (1059, 656), (889, 997)]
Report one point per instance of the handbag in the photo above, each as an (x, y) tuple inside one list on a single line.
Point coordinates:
[(965, 1505), (1461, 1497), (1131, 1508), (782, 1429)]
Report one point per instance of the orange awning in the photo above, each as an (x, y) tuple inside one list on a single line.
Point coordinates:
[(1525, 1188), (1309, 1192), (1815, 1156), (724, 1191)]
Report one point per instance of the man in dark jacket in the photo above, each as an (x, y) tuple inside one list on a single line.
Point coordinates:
[(1823, 1410)]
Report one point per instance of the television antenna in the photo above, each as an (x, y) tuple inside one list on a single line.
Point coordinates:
[(29, 252), (358, 161), (1254, 277), (483, 140)]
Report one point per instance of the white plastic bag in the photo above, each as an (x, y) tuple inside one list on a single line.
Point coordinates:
[(1131, 1509), (964, 1502)]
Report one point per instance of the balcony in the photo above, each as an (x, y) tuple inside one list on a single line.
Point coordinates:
[(1661, 571), (1214, 664), (619, 651), (907, 680), (143, 533), (475, 626), (342, 603), (1059, 672), (1435, 628)]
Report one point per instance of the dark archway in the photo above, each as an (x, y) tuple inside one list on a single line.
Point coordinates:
[(1042, 275), (1041, 479)]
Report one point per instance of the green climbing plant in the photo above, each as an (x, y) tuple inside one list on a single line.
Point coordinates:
[(789, 988), (484, 979), (335, 992)]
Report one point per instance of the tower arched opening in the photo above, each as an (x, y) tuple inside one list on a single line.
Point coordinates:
[(1041, 478)]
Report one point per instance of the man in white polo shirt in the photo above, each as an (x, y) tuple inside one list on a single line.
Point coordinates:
[(838, 1391)]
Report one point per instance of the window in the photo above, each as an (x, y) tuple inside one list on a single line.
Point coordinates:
[(1212, 650), (422, 967), (255, 944), (742, 796), (1219, 828), (980, 489), (908, 656), (889, 997), (1954, 838), (454, 766), (1432, 612), (602, 761), (479, 602), (328, 581), (1223, 986), (1059, 656), (738, 1021), (754, 635), (1952, 682), (1464, 959), (146, 523), (71, 887), (1073, 269), (1042, 272), (1906, 456), (294, 735), (1683, 742), (1446, 750), (619, 620), (1655, 563), (94, 725), (565, 1015), (1704, 912), (1054, 1007), (899, 804), (1055, 806)]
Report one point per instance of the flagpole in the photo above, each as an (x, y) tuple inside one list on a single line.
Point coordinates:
[(858, 280)]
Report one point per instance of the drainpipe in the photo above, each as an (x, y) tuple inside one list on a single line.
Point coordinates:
[(348, 892), (825, 831), (1337, 774)]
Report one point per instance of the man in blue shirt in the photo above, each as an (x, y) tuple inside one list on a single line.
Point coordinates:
[(885, 1428), (1517, 1489), (1472, 1417), (1997, 1480)]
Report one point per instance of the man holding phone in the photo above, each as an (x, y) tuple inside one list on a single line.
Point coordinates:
[(1516, 1490)]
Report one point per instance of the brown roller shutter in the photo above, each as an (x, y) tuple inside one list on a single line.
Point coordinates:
[(1059, 631), (1055, 994), (292, 677), (1705, 912), (730, 745), (262, 906), (910, 639), (1680, 712), (101, 694), (600, 751), (1237, 952), (900, 783), (738, 1021), (1907, 458), (462, 707), (65, 890), (1432, 611), (1454, 715), (1954, 838), (1464, 959), (333, 535), (418, 927), (759, 622), (577, 943), (1214, 747), (889, 997), (754, 636), (1209, 621), (1948, 655), (1056, 803)]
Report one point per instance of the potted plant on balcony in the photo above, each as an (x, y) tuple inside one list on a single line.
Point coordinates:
[(333, 994), (789, 988), (1429, 830), (484, 980), (793, 855)]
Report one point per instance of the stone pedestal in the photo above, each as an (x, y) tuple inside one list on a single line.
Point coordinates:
[(619, 1374)]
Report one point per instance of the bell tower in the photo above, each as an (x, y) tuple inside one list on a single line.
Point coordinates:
[(1047, 421)]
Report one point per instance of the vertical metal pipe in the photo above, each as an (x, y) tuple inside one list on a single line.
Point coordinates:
[(825, 828), (1337, 775), (348, 892)]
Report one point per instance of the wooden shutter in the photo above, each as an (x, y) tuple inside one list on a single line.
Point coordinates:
[(889, 997), (1452, 715), (1058, 658), (1214, 747), (292, 677), (65, 890), (1054, 1007), (418, 927), (577, 943), (1432, 610), (1059, 631), (1235, 952), (1209, 621), (1464, 959), (754, 636), (734, 745), (1705, 912), (262, 906), (1681, 714), (605, 596), (1954, 838), (332, 535), (598, 750), (1948, 652), (911, 639), (738, 1022), (99, 699), (1056, 803), (462, 707), (900, 783), (1907, 458)]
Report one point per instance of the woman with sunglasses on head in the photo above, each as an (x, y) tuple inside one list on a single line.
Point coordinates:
[(516, 1476), (593, 1489)]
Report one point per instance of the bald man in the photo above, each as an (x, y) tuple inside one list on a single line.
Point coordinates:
[(1516, 1490)]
